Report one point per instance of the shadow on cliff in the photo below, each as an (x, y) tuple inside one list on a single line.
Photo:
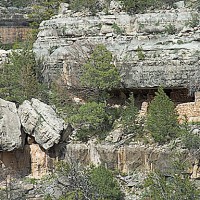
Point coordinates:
[(16, 164)]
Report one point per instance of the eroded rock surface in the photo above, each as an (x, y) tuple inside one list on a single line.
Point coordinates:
[(40, 121), (10, 127), (150, 49)]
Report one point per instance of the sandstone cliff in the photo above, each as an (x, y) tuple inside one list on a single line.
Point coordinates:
[(32, 139)]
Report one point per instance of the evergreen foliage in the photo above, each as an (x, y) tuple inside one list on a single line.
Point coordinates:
[(15, 3), (95, 183), (92, 5), (190, 139), (99, 73), (162, 118), (19, 78), (43, 10), (137, 6), (174, 185), (129, 117), (106, 186), (92, 119), (60, 97)]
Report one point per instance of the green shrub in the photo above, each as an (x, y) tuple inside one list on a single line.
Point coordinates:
[(91, 119), (170, 29), (129, 117), (140, 53), (162, 118), (105, 185), (47, 197), (173, 184), (117, 29), (92, 5), (16, 3), (73, 195), (43, 10), (95, 183), (99, 73), (60, 97), (138, 6), (20, 78), (190, 140)]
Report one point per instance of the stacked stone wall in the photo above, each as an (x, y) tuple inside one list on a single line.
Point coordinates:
[(9, 35), (190, 110)]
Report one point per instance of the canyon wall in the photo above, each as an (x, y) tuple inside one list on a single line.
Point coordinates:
[(33, 138), (14, 24), (152, 49)]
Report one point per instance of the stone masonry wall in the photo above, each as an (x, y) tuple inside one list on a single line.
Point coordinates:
[(191, 110), (10, 35), (14, 24)]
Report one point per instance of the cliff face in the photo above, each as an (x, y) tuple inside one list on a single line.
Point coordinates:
[(151, 49), (26, 134), (33, 138), (14, 24)]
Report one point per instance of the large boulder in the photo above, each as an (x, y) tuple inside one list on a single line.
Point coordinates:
[(10, 127), (40, 121)]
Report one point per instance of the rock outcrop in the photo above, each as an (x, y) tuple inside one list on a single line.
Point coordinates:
[(11, 137), (40, 121), (26, 135), (125, 158), (3, 57), (14, 24), (151, 49)]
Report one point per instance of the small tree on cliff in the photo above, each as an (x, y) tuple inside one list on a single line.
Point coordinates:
[(99, 73), (162, 118), (19, 78), (129, 117), (43, 10), (91, 119)]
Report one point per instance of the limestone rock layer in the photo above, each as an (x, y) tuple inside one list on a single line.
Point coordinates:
[(151, 49)]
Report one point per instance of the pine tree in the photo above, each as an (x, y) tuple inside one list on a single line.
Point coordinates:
[(99, 73), (162, 118), (105, 184), (130, 123), (19, 78)]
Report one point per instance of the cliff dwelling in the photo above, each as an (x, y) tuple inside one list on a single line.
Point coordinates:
[(14, 27), (42, 127)]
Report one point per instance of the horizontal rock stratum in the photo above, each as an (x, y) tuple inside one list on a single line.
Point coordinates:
[(151, 49)]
